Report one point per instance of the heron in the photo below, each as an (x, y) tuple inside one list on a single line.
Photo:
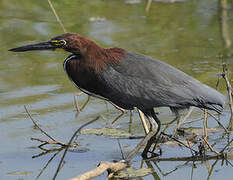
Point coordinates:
[(130, 80)]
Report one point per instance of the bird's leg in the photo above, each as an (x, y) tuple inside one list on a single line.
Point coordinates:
[(154, 129), (139, 146), (149, 138)]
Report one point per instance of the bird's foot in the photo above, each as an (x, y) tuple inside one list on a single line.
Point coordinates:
[(145, 153), (152, 155)]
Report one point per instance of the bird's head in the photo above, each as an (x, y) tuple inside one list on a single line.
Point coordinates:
[(70, 42), (93, 55)]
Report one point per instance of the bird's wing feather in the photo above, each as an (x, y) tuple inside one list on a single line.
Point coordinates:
[(147, 82)]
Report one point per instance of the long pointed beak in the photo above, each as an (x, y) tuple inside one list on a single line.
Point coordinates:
[(32, 47)]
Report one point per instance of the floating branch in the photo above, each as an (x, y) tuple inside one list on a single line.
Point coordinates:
[(192, 158), (111, 167)]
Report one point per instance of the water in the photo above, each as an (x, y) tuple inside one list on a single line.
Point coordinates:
[(188, 35)]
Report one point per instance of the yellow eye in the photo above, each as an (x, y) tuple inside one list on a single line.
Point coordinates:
[(58, 42)]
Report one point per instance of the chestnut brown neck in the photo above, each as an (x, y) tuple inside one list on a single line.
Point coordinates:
[(95, 57)]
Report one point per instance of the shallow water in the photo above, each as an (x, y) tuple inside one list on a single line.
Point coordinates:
[(188, 35)]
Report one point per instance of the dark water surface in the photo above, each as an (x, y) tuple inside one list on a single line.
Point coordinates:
[(188, 35)]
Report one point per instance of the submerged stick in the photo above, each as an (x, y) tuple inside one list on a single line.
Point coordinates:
[(69, 143)]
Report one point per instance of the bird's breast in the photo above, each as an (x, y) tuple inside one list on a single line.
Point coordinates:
[(84, 79)]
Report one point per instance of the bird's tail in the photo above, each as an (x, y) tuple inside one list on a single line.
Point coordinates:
[(216, 107), (211, 99)]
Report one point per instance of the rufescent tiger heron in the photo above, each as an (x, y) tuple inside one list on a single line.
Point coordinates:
[(130, 80)]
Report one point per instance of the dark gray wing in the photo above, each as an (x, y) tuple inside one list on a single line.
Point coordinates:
[(143, 82)]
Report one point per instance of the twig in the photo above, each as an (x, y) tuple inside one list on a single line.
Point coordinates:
[(226, 146), (48, 142), (117, 107), (76, 104), (123, 111), (229, 89), (170, 123), (182, 121), (34, 122), (118, 117), (46, 165), (57, 17), (191, 158), (195, 120), (218, 121), (142, 117), (211, 169), (162, 172), (189, 146), (86, 102), (170, 136), (102, 167), (47, 151), (226, 34), (69, 143), (205, 123), (210, 147), (148, 4), (122, 154)]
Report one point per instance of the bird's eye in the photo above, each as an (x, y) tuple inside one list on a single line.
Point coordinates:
[(58, 42)]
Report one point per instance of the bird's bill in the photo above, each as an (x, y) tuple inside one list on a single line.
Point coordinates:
[(32, 47)]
